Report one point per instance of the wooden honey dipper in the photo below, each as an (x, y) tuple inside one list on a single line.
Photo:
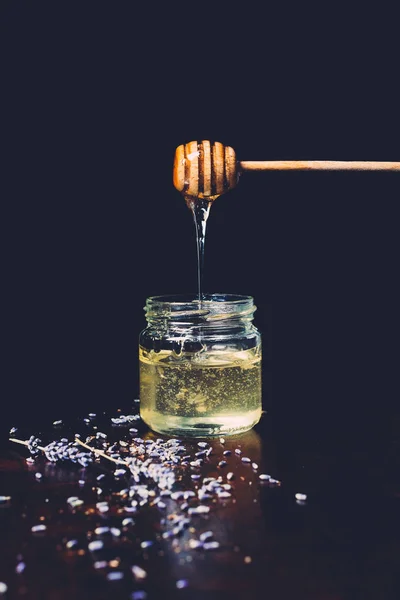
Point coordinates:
[(208, 169)]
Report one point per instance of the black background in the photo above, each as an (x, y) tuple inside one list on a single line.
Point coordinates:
[(95, 97)]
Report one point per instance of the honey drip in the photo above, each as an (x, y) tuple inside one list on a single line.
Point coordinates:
[(200, 208)]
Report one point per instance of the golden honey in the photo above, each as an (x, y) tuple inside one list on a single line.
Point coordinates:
[(205, 393)]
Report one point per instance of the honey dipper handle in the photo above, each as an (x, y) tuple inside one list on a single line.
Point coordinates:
[(317, 165)]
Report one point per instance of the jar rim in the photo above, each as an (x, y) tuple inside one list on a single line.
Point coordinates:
[(184, 299), (187, 308)]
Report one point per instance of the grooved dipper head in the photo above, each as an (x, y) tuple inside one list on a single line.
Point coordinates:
[(205, 169)]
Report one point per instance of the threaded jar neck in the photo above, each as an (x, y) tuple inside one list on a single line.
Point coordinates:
[(213, 310)]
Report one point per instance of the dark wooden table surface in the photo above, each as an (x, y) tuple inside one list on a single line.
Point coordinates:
[(341, 543)]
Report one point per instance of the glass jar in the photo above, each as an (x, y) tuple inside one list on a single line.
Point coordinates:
[(200, 365)]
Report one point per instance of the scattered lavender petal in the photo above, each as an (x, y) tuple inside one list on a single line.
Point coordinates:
[(224, 495), (115, 531), (195, 544), (102, 507), (138, 573), (206, 536), (115, 575), (167, 534), (101, 530), (188, 494), (38, 528), (74, 502), (211, 545), (203, 496), (201, 509), (176, 495), (96, 545), (139, 595), (200, 453), (20, 568), (301, 497), (119, 472)]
